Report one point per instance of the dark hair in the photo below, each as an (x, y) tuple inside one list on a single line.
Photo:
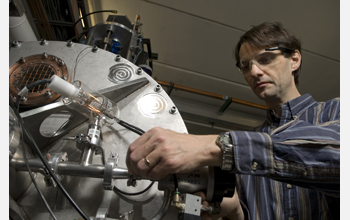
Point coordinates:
[(268, 35)]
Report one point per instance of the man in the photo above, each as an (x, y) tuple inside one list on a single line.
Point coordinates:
[(289, 167)]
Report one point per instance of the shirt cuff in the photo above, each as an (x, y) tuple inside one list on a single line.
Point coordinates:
[(253, 153)]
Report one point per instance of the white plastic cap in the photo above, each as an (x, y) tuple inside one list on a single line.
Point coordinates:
[(63, 87)]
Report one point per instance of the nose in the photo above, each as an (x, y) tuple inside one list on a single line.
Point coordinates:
[(255, 69)]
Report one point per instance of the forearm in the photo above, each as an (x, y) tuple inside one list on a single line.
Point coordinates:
[(308, 158)]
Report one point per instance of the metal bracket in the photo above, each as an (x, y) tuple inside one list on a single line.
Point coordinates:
[(226, 104), (170, 88), (192, 207), (108, 174)]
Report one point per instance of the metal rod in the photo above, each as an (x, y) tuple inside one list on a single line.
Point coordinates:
[(210, 94), (87, 156), (71, 169)]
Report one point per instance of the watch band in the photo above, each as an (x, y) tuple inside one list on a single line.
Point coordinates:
[(225, 143)]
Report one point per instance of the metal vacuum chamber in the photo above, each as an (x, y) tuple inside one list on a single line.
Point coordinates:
[(140, 100)]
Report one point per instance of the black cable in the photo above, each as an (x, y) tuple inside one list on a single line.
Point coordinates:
[(141, 132), (24, 90), (28, 88), (130, 127), (176, 183), (79, 35), (116, 190), (50, 171), (30, 171), (35, 184), (112, 11)]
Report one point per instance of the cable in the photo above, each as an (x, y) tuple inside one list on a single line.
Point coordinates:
[(141, 49), (130, 127), (176, 184), (30, 171), (41, 156), (79, 35), (76, 61), (28, 88), (116, 190), (112, 11)]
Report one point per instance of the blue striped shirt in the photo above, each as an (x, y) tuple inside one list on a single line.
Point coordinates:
[(289, 167)]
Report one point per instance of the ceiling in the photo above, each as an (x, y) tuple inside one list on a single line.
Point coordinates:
[(195, 40)]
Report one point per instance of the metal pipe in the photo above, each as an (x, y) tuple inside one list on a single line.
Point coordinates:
[(212, 95), (71, 169), (87, 156)]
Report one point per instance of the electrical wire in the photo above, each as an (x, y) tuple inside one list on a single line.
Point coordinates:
[(30, 171), (48, 167), (77, 61), (141, 49), (112, 11), (116, 190), (28, 88), (79, 35)]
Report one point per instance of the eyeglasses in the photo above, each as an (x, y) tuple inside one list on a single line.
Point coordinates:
[(262, 60)]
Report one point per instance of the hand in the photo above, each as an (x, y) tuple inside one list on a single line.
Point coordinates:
[(170, 152), (230, 208)]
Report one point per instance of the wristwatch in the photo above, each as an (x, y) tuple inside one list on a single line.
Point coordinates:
[(225, 143)]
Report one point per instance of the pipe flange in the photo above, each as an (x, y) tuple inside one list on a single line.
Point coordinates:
[(108, 174)]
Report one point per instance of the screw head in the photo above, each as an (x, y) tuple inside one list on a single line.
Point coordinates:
[(118, 58), (45, 55), (43, 42), (23, 98), (22, 60), (16, 43), (173, 110), (158, 88), (94, 49), (70, 43), (48, 93), (60, 62), (139, 71)]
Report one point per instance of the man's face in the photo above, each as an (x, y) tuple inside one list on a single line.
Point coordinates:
[(270, 82)]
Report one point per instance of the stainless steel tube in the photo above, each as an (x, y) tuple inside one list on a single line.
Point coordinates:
[(71, 169)]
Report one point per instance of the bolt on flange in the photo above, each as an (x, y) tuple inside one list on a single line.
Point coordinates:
[(139, 71), (43, 42), (158, 88), (94, 49), (173, 110), (16, 43)]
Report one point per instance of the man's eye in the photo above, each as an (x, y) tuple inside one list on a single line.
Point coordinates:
[(244, 65), (266, 59)]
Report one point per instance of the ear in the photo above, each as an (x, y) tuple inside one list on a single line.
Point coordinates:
[(295, 60)]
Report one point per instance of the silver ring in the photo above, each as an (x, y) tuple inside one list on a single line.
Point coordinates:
[(147, 162)]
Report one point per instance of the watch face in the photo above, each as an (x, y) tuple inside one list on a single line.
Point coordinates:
[(225, 139)]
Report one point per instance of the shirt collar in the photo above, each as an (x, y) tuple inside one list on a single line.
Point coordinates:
[(292, 108)]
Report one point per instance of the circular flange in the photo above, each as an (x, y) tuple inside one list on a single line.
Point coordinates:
[(32, 68)]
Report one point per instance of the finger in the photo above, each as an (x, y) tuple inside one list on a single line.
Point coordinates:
[(127, 162), (134, 154), (153, 140)]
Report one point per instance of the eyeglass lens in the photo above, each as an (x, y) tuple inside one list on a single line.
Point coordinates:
[(262, 61)]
